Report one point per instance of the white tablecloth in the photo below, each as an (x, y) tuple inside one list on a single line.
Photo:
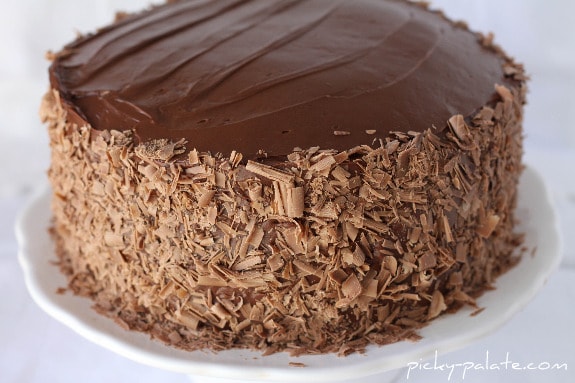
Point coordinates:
[(36, 348)]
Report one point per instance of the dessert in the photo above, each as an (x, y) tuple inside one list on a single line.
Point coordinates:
[(301, 176)]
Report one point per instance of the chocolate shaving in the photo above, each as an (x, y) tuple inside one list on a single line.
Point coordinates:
[(341, 133), (269, 172)]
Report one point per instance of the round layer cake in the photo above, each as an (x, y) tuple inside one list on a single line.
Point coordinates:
[(301, 176)]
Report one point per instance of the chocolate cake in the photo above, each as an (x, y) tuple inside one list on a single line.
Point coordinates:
[(301, 176)]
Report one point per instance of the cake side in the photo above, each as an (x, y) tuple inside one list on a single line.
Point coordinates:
[(328, 251)]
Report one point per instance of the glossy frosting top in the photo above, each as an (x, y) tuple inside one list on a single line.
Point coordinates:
[(276, 74)]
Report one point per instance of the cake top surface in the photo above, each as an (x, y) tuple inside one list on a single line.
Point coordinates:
[(273, 75)]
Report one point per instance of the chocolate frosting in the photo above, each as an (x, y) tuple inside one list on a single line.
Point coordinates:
[(273, 75)]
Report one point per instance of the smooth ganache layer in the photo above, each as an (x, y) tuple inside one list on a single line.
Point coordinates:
[(271, 76), (168, 218)]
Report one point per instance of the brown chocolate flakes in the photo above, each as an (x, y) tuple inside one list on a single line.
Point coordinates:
[(269, 172), (437, 305), (160, 149), (488, 225)]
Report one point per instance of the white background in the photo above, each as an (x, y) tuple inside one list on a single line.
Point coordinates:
[(35, 348)]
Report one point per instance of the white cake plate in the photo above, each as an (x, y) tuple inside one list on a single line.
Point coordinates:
[(447, 333)]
